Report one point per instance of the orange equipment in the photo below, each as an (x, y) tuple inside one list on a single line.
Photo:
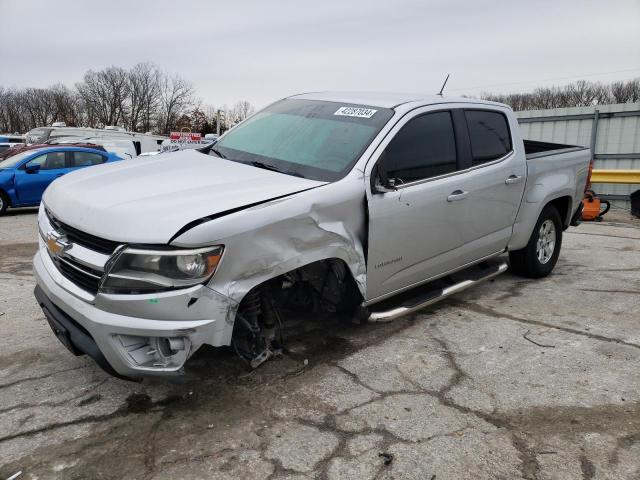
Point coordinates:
[(592, 207), (591, 204)]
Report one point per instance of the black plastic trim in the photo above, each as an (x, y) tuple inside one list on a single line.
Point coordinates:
[(463, 141), (576, 219), (81, 341)]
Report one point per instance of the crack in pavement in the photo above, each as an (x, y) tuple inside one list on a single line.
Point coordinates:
[(587, 468), (633, 292), (50, 403), (55, 426), (601, 235), (622, 443), (129, 409), (490, 312), (40, 377), (529, 465), (517, 427)]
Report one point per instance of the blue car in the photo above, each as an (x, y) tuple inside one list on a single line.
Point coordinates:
[(25, 176)]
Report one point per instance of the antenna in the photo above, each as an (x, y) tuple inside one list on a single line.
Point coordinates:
[(445, 82)]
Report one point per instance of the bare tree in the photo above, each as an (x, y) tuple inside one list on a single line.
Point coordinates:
[(40, 105), (625, 92), (577, 94), (69, 106), (176, 97), (106, 93), (144, 92), (241, 110), (15, 113), (144, 98)]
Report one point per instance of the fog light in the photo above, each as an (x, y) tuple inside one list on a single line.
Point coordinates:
[(158, 352), (169, 346)]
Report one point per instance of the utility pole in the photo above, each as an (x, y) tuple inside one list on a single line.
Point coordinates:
[(218, 122)]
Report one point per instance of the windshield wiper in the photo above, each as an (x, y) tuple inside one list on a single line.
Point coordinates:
[(273, 168), (219, 153)]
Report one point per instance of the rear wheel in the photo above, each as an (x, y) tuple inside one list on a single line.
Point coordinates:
[(4, 202), (538, 258)]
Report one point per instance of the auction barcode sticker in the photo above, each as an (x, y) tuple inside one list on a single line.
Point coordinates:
[(355, 112)]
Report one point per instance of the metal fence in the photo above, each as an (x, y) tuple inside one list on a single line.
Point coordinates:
[(611, 131)]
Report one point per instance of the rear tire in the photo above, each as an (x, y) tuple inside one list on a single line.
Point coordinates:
[(538, 258), (4, 203)]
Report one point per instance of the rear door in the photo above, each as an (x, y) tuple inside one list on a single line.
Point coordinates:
[(493, 179), (31, 185), (86, 159)]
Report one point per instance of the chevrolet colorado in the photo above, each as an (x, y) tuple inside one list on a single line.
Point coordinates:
[(374, 205)]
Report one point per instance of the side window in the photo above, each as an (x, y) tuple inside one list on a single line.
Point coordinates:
[(425, 147), (49, 161), (37, 161), (86, 159), (489, 133)]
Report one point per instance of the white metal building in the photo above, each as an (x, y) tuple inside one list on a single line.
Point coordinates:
[(612, 132)]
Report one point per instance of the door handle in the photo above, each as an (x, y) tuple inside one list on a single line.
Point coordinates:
[(457, 195), (511, 179)]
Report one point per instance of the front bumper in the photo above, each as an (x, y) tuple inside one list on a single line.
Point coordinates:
[(134, 335)]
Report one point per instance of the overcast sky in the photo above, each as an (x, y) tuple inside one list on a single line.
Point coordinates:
[(263, 50)]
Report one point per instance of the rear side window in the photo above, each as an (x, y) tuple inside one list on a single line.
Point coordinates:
[(86, 159), (425, 147), (489, 133)]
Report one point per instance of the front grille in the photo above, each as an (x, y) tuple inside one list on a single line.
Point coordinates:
[(84, 277), (87, 240)]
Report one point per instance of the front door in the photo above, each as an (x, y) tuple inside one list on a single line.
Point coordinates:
[(413, 232), (30, 185)]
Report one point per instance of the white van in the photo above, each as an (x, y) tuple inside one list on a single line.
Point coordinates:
[(8, 141), (143, 142), (123, 147)]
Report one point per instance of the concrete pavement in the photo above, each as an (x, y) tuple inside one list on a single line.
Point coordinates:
[(513, 379)]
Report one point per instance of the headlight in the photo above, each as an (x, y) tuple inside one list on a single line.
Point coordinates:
[(143, 271)]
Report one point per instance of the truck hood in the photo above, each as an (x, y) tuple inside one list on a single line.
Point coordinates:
[(148, 200)]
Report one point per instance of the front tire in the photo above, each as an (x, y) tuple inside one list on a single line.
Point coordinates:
[(4, 203), (538, 258)]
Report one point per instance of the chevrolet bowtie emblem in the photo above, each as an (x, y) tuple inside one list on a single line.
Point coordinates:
[(56, 244)]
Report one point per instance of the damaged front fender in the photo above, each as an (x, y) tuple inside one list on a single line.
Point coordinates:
[(268, 240)]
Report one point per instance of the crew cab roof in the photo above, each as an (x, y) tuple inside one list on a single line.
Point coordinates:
[(387, 99)]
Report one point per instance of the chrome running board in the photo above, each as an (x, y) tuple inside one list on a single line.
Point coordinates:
[(424, 298)]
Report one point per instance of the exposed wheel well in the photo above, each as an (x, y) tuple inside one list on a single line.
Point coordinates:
[(563, 205), (315, 270), (322, 286), (6, 197)]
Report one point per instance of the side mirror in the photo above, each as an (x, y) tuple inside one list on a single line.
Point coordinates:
[(35, 168), (380, 182), (386, 187)]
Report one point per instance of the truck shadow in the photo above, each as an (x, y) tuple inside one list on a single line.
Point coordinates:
[(308, 340)]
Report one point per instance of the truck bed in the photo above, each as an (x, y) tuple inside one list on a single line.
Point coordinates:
[(536, 149)]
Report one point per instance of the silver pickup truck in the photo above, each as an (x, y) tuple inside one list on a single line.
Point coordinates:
[(371, 205)]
